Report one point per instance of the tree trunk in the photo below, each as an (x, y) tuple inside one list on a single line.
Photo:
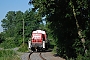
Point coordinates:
[(78, 28)]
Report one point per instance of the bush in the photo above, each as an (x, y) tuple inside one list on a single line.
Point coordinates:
[(8, 43), (23, 48), (8, 55)]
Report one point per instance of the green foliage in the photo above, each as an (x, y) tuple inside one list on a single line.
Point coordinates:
[(9, 24), (8, 55), (31, 23), (13, 26), (9, 43), (79, 57), (23, 48), (85, 57), (2, 37), (60, 25), (63, 24)]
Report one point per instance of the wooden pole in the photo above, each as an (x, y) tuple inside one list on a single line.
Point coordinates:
[(23, 32)]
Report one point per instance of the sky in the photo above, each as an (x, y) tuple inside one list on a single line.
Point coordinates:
[(12, 5)]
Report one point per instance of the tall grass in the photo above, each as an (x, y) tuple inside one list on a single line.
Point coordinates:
[(8, 55), (23, 48), (8, 44)]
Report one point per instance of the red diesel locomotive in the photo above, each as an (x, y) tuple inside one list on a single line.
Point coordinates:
[(38, 41)]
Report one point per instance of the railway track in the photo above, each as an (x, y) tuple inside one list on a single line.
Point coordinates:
[(40, 55), (29, 56)]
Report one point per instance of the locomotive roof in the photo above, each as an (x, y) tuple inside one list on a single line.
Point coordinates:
[(39, 31)]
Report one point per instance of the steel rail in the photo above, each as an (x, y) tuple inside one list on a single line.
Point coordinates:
[(40, 54)]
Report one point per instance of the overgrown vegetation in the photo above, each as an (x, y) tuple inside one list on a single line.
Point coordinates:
[(9, 43), (67, 23), (8, 55), (23, 48), (13, 27)]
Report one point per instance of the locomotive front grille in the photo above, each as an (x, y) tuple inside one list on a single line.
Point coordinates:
[(37, 45)]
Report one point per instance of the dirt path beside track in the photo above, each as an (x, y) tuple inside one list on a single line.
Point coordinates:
[(46, 55), (35, 56)]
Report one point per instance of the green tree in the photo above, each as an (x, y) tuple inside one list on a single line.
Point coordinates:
[(32, 22), (2, 37), (8, 23), (13, 25), (69, 23), (18, 27)]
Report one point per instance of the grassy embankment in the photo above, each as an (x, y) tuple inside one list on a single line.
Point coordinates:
[(8, 55), (7, 52)]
